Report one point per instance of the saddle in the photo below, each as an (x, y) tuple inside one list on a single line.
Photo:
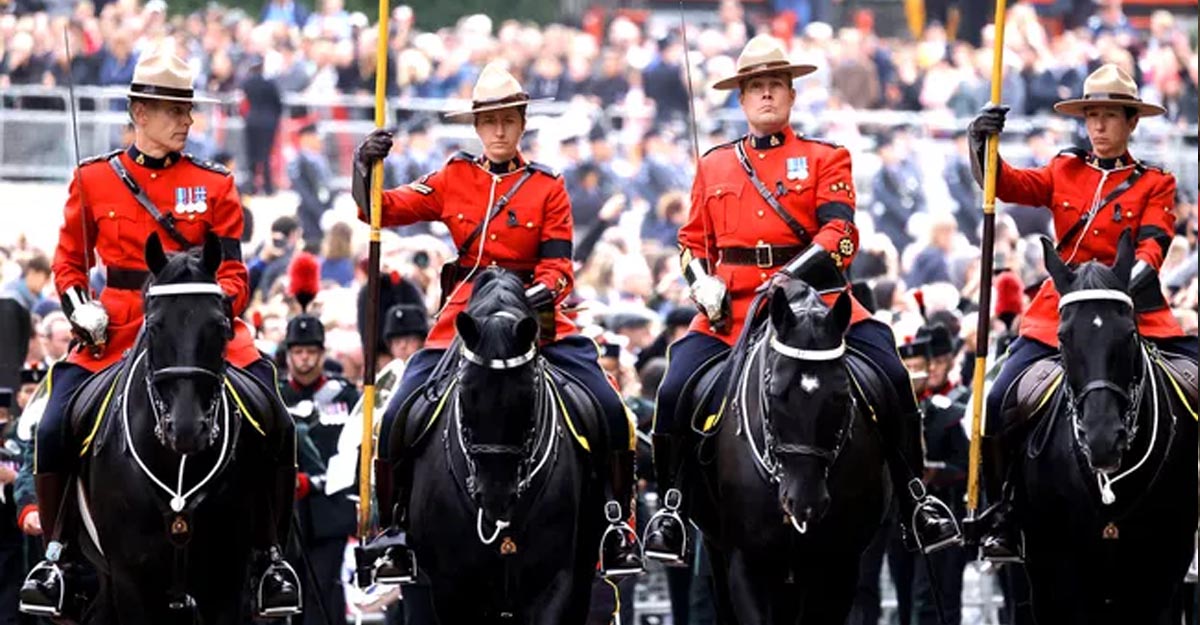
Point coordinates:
[(421, 411), (1031, 392), (1183, 374)]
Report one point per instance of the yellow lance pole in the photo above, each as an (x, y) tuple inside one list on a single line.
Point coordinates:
[(367, 448), (985, 278)]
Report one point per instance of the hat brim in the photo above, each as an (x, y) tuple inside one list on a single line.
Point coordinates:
[(1077, 106), (470, 113), (796, 70), (195, 99)]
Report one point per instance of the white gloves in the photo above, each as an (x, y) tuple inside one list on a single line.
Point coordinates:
[(88, 318)]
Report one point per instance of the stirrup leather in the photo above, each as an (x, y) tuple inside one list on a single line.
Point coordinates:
[(52, 570)]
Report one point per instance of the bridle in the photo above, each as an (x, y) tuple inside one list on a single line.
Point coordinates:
[(158, 407), (1132, 395), (527, 468)]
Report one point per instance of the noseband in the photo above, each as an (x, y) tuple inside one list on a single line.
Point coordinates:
[(158, 406)]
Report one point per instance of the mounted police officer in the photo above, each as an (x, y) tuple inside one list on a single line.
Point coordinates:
[(770, 203), (320, 404), (1094, 196), (115, 202), (501, 210)]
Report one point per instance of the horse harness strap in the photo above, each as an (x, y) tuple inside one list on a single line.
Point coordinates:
[(165, 221), (795, 226)]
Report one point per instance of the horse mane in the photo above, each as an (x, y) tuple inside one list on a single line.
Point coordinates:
[(185, 266), (495, 290), (1096, 275)]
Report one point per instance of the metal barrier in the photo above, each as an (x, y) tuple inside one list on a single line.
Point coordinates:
[(35, 130)]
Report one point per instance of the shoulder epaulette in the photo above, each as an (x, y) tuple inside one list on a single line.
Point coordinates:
[(100, 157), (209, 165), (543, 169), (721, 146), (834, 145), (1155, 167), (461, 155), (1076, 152)]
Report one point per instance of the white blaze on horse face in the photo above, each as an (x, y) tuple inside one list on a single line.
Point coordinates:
[(809, 383), (1098, 322)]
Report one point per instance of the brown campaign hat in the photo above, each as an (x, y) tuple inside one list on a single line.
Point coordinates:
[(160, 75), (763, 54), (1106, 86), (495, 89)]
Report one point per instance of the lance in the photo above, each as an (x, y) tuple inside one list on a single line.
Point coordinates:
[(985, 279), (367, 447), (87, 249)]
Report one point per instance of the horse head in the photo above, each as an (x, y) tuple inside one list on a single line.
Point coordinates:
[(497, 389), (807, 396), (187, 326), (1098, 338)]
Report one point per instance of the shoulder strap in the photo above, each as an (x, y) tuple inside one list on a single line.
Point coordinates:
[(1138, 171), (496, 210), (166, 222), (796, 227)]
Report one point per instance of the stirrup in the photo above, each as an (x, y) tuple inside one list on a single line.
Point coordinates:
[(386, 571), (669, 512), (279, 611), (52, 570), (619, 526), (928, 500)]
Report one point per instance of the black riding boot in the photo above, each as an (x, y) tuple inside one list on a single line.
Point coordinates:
[(1000, 540), (393, 485), (927, 524), (277, 591), (44, 592), (620, 549), (666, 532)]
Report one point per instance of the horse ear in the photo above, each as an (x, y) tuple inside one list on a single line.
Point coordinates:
[(1059, 272), (527, 331), (838, 318), (156, 258), (468, 329), (212, 253), (782, 317), (1124, 265)]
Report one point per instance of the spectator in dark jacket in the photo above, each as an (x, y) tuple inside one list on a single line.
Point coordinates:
[(896, 192), (311, 179), (963, 191), (264, 107)]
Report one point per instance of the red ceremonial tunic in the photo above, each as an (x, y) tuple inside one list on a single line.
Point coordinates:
[(1069, 186), (203, 199), (813, 182), (532, 234)]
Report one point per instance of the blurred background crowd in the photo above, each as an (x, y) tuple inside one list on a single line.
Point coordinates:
[(897, 83)]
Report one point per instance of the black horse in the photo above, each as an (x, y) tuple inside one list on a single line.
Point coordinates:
[(181, 453), (1106, 494), (504, 499), (791, 485)]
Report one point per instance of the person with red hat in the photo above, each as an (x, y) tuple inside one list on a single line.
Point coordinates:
[(115, 202), (775, 203), (1094, 196), (506, 211)]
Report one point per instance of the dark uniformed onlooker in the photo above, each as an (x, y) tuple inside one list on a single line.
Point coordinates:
[(896, 192), (964, 193), (312, 181), (404, 329), (320, 404), (263, 111)]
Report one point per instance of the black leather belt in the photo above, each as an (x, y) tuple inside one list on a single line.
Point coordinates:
[(128, 279), (762, 256)]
